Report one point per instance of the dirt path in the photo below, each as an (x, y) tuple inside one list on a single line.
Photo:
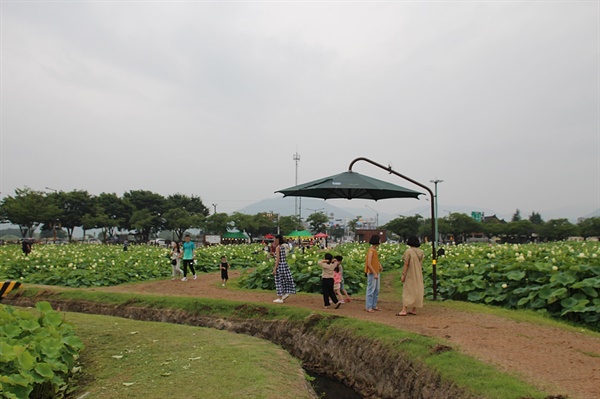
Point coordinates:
[(557, 361)]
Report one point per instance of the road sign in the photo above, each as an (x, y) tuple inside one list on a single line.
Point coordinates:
[(478, 216)]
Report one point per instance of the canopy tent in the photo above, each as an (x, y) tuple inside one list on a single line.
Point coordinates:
[(236, 235), (300, 234)]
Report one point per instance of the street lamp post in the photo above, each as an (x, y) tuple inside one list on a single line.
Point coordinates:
[(297, 207), (436, 233), (55, 221), (376, 216)]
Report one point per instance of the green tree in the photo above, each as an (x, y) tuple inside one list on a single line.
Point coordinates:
[(109, 213), (217, 223), (495, 229), (318, 222), (462, 224), (179, 220), (590, 227), (287, 224), (536, 218), (147, 210), (183, 212), (74, 206), (143, 221), (520, 231), (191, 204), (405, 226), (516, 216), (558, 229), (254, 225), (352, 224), (28, 209)]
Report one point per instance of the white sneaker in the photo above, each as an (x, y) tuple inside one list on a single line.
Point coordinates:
[(278, 300), (222, 285), (286, 296), (184, 279), (342, 301), (195, 277)]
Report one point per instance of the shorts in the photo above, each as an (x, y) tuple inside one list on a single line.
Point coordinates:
[(336, 286), (342, 286)]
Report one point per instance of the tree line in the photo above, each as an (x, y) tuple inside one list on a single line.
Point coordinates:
[(139, 212), (458, 227), (145, 214)]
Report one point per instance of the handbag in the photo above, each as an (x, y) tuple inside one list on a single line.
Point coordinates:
[(173, 262)]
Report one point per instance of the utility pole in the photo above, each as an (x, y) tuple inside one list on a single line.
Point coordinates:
[(296, 199), (215, 207), (436, 233)]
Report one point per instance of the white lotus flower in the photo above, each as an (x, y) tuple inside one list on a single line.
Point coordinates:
[(555, 268), (505, 286)]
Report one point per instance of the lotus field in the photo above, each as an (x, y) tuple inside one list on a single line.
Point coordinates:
[(561, 279)]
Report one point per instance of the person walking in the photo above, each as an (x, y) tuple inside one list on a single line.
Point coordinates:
[(188, 257), (25, 246), (176, 259), (327, 280), (373, 269), (224, 270), (284, 283), (342, 290), (413, 289)]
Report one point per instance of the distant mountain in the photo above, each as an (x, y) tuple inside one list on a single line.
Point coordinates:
[(286, 207), (594, 214)]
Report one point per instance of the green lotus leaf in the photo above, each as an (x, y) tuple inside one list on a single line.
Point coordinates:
[(515, 275), (564, 278), (16, 391), (568, 303), (479, 284), (10, 330), (26, 360), (475, 296), (588, 282), (52, 319), (29, 325), (43, 306), (45, 370), (24, 379)]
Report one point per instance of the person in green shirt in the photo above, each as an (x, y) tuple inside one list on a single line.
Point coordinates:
[(188, 257)]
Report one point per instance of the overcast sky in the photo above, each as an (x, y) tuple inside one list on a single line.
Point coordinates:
[(499, 99)]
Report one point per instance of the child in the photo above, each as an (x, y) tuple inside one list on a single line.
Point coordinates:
[(328, 265), (224, 268), (337, 281), (175, 257), (342, 290)]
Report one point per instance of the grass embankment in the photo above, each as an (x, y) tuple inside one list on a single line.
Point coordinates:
[(147, 360), (453, 366)]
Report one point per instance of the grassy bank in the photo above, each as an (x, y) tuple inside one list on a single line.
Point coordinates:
[(147, 360), (453, 367)]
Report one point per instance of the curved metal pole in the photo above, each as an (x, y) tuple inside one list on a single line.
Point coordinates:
[(433, 251)]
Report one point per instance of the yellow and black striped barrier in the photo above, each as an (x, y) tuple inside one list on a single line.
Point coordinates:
[(7, 287)]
